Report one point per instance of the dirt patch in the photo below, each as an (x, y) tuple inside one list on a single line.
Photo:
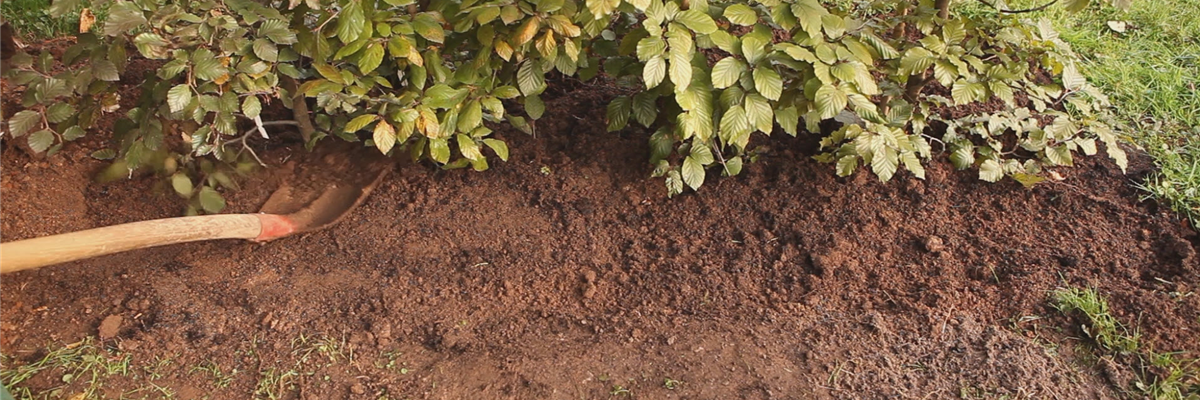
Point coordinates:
[(565, 273)]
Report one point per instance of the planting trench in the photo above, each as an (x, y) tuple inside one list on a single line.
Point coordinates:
[(566, 273)]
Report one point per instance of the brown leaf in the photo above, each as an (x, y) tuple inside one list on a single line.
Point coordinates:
[(86, 20)]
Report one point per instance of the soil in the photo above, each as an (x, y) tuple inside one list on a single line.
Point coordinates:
[(566, 273)]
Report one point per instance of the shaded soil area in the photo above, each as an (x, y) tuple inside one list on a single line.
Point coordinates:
[(564, 273)]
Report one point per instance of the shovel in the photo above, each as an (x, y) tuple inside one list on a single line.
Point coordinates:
[(317, 196)]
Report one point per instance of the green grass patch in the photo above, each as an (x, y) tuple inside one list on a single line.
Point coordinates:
[(82, 367), (29, 19), (1151, 71), (1160, 376)]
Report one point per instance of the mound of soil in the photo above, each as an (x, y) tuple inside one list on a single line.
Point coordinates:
[(565, 273)]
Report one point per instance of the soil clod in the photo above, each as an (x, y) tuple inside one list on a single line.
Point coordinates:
[(110, 327)]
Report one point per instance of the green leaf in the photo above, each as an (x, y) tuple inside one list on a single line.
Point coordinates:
[(530, 78), (759, 113), (674, 183), (534, 107), (41, 140), (654, 71), (963, 157), (351, 22), (59, 112), (884, 163), (789, 119), (726, 42), (727, 72), (471, 115), (211, 200), (278, 31), (1059, 155), (439, 150), (830, 101), (693, 173), (754, 48), (913, 164), (266, 50), (506, 92), (618, 113), (1075, 5), (443, 96), (468, 148), (735, 126), (179, 97), (59, 8), (106, 71), (360, 122), (1028, 180), (809, 13), (886, 51), (371, 58), (650, 47), (965, 92), (104, 154), (72, 133), (429, 28), (701, 153), (251, 106), (990, 171), (697, 21), (182, 184), (602, 8), (834, 25), (644, 108), (847, 165), (733, 166), (798, 53), (741, 14), (499, 147), (207, 66), (681, 59), (151, 45), (384, 136), (916, 60), (767, 82), (123, 16)]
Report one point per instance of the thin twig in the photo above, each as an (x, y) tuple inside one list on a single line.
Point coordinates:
[(1027, 10)]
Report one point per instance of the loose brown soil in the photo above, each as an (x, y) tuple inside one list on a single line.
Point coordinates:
[(565, 273)]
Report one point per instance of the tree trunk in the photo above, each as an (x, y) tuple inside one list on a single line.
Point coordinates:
[(943, 7)]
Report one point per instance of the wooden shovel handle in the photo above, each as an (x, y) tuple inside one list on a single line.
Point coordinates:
[(43, 251)]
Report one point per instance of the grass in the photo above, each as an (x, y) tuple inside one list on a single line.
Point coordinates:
[(90, 370), (1152, 74), (84, 366), (1160, 376), (29, 18)]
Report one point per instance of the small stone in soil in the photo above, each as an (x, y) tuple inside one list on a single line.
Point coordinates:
[(934, 244), (110, 327)]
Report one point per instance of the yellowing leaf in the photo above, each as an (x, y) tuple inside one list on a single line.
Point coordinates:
[(384, 136), (726, 72), (693, 173), (830, 101), (86, 20), (654, 71), (767, 82), (697, 21), (527, 31), (741, 14)]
